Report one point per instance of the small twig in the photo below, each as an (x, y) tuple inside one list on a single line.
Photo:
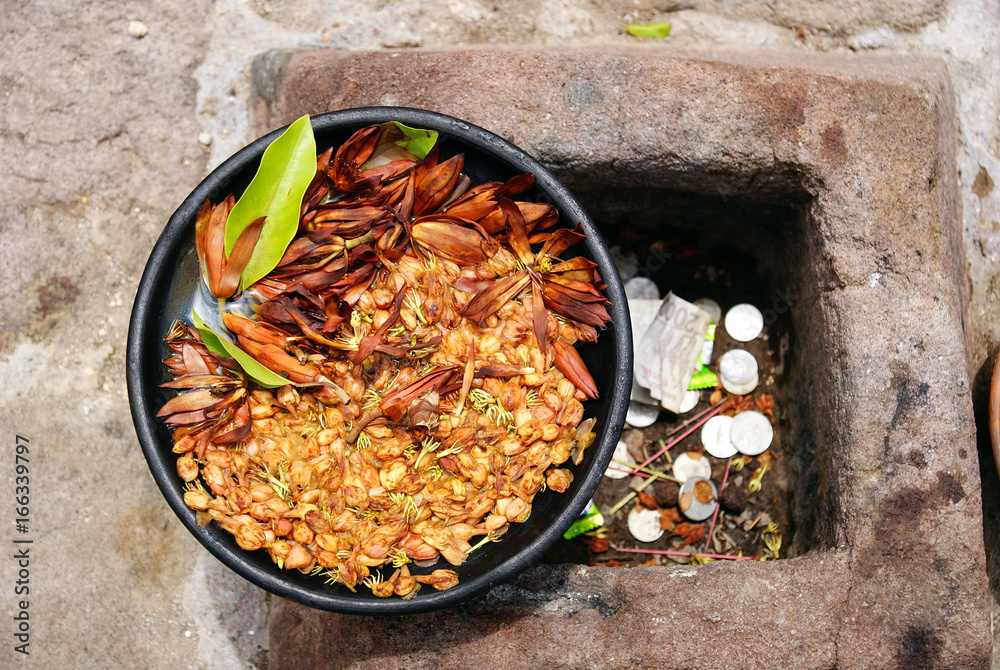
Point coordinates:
[(664, 552), (708, 415), (360, 425), (624, 501), (628, 467), (715, 514), (694, 418)]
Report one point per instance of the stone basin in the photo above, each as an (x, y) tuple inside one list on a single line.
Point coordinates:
[(858, 156)]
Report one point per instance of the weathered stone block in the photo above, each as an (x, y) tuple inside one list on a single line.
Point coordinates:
[(860, 152)]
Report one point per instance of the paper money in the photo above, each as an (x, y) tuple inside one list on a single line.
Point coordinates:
[(641, 313), (668, 351)]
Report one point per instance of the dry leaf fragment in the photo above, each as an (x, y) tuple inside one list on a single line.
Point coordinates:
[(646, 500), (686, 499), (703, 492)]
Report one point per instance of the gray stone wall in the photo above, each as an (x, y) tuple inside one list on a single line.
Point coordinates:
[(104, 133)]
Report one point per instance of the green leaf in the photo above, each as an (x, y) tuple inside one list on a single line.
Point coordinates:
[(417, 141), (286, 170), (223, 346), (657, 30)]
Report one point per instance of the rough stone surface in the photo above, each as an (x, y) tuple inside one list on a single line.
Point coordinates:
[(877, 260), (88, 111), (577, 617)]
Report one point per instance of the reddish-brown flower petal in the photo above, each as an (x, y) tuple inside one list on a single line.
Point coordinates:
[(212, 235), (502, 370), (277, 360), (370, 342), (538, 215), (495, 297), (516, 185), (235, 429), (196, 381), (193, 362), (467, 376), (395, 404), (578, 268), (472, 210), (283, 310), (590, 313), (390, 170), (201, 229), (568, 361), (517, 234), (560, 241), (432, 189), (539, 317), (186, 418), (254, 330), (343, 170), (239, 258), (199, 399), (451, 239), (571, 288)]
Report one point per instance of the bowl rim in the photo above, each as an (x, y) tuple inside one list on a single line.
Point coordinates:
[(163, 469)]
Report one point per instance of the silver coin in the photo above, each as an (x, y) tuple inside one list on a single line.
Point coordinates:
[(740, 389), (640, 415), (691, 464), (689, 401), (738, 366), (715, 436), (695, 509), (751, 433), (641, 288), (617, 470), (711, 307), (738, 372), (744, 322), (644, 524), (625, 262)]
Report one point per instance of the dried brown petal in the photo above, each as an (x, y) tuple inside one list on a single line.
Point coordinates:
[(568, 361), (686, 499), (433, 186), (238, 259), (453, 239), (646, 500), (703, 492), (439, 579)]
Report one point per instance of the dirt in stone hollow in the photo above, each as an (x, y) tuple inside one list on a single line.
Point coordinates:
[(729, 277)]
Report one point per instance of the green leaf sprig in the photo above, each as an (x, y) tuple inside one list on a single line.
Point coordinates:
[(417, 141), (223, 346), (286, 170), (655, 30)]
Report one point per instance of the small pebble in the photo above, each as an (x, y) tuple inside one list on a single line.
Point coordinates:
[(205, 138), (733, 499), (667, 493), (137, 29)]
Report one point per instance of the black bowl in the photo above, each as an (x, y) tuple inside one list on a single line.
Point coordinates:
[(168, 285)]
